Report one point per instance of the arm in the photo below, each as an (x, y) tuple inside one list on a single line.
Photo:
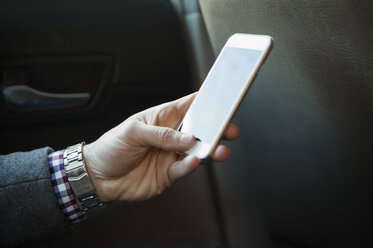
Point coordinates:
[(134, 161), (29, 210)]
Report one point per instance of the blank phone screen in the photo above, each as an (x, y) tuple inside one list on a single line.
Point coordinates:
[(217, 97)]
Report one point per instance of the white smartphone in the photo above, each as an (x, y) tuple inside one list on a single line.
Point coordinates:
[(223, 90)]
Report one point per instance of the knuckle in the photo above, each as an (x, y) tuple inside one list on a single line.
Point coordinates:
[(131, 125), (164, 134)]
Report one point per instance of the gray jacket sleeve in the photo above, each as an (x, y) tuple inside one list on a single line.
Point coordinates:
[(29, 209)]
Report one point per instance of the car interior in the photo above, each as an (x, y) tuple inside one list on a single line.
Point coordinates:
[(300, 174)]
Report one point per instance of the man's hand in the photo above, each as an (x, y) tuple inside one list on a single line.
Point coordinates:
[(137, 159)]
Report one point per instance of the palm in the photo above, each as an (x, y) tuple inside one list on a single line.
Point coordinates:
[(148, 178)]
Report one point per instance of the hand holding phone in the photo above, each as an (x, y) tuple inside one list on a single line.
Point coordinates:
[(223, 90)]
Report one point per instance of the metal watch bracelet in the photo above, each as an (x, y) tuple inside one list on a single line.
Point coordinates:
[(78, 178)]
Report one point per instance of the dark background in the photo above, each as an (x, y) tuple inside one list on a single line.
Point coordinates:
[(300, 174), (129, 55)]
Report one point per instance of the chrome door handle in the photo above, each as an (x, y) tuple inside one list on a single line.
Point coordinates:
[(22, 98)]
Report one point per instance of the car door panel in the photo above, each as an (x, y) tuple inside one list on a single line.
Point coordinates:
[(128, 56)]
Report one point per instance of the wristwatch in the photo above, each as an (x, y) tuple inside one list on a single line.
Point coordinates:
[(78, 178)]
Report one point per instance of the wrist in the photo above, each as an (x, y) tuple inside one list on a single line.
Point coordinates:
[(91, 164), (78, 178)]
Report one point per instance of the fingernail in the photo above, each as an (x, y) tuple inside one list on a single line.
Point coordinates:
[(186, 138)]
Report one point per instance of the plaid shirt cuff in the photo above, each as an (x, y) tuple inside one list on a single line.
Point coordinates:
[(62, 189)]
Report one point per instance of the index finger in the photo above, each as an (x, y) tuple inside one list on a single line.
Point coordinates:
[(184, 103)]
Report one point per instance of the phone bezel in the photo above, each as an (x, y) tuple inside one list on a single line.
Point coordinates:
[(261, 43)]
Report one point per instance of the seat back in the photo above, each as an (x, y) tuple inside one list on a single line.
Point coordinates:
[(301, 174)]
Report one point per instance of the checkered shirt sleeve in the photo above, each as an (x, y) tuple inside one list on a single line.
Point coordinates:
[(62, 189)]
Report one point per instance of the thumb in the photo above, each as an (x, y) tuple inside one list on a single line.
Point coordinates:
[(163, 137)]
